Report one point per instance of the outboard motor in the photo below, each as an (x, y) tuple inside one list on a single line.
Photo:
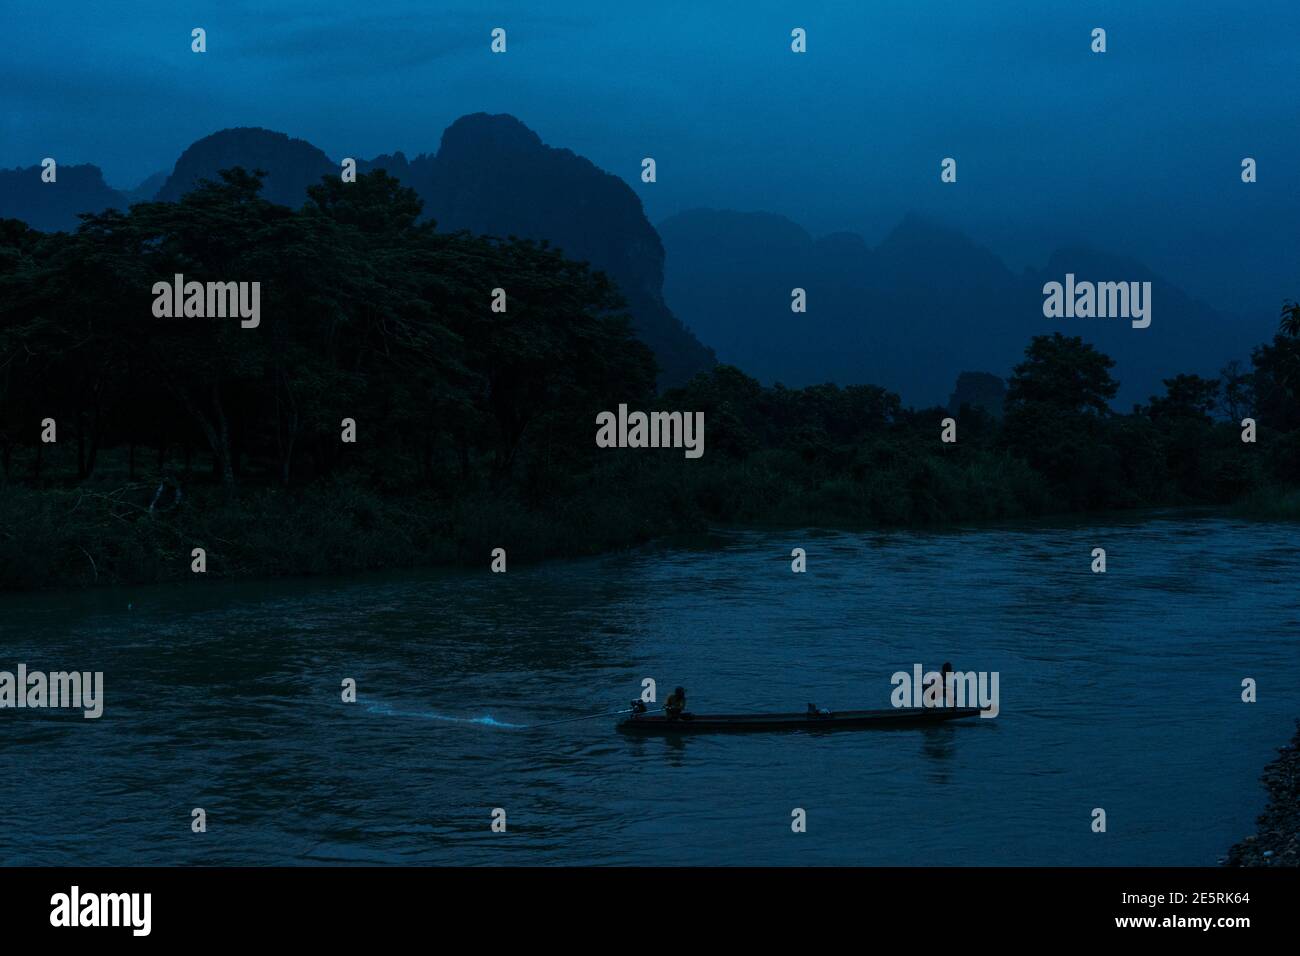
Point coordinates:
[(638, 707)]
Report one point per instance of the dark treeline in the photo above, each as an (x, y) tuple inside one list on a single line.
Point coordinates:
[(369, 316), (475, 428), (1048, 443)]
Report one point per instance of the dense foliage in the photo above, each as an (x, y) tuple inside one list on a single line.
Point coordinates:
[(475, 428)]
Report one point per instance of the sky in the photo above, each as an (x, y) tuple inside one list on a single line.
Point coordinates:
[(1136, 151)]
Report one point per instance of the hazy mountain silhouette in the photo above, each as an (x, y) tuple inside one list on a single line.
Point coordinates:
[(53, 207), (395, 164), (494, 176), (491, 175), (291, 165), (148, 189), (1186, 335), (925, 305), (912, 313)]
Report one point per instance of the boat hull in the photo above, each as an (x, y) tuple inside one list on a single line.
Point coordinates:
[(840, 720)]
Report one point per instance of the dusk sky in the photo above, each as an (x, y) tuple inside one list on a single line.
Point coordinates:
[(1137, 150)]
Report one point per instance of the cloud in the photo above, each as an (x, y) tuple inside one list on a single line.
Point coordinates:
[(364, 46), (375, 44)]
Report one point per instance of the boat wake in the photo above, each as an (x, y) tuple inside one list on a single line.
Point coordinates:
[(388, 711)]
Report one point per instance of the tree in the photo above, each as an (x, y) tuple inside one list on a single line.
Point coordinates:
[(365, 313), (1238, 390), (1277, 382), (1057, 407), (1186, 397), (1289, 325), (1065, 374)]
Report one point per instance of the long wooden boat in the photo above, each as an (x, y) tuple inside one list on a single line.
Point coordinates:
[(838, 720)]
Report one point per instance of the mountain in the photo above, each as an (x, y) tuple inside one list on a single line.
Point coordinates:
[(925, 304), (395, 164), (1185, 335), (912, 313), (291, 165), (492, 175), (53, 207), (147, 190)]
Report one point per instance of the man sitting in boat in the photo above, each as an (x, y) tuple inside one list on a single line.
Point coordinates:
[(675, 705)]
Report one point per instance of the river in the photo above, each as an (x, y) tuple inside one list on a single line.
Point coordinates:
[(1119, 691)]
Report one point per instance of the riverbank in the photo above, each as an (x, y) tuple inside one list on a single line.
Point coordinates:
[(1270, 504), (105, 533), (1277, 843), (78, 537)]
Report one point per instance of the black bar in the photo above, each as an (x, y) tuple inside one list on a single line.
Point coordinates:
[(335, 905)]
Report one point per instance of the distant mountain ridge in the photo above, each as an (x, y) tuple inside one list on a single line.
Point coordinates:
[(291, 165), (491, 175), (911, 313), (915, 311), (54, 206)]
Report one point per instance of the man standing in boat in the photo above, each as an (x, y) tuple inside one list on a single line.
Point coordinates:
[(675, 705)]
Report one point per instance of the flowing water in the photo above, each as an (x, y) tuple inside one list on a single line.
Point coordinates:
[(1119, 690)]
